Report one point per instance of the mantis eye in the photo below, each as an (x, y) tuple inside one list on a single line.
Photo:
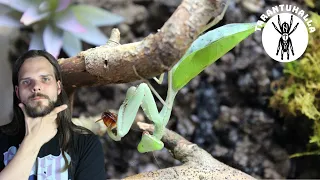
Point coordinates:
[(109, 119)]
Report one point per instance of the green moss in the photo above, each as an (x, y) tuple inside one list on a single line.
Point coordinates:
[(298, 92), (310, 3)]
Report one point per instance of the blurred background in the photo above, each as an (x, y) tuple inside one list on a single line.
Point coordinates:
[(241, 109)]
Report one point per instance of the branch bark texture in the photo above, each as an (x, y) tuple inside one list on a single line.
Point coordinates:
[(155, 54), (197, 163)]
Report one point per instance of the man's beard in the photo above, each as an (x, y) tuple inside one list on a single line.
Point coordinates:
[(40, 110)]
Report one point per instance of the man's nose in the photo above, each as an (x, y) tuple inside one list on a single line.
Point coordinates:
[(36, 87)]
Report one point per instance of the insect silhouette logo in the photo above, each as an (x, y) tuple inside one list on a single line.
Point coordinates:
[(285, 37)]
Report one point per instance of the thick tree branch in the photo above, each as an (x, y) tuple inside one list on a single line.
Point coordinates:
[(155, 54), (152, 56), (198, 164)]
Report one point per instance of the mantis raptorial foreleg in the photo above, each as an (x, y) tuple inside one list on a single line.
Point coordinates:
[(135, 97), (142, 95)]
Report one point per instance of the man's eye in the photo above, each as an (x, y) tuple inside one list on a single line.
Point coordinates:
[(25, 82), (45, 79)]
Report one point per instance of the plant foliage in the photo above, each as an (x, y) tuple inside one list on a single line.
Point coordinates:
[(58, 24), (208, 48), (299, 91)]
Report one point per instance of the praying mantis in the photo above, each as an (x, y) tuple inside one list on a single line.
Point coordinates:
[(205, 50)]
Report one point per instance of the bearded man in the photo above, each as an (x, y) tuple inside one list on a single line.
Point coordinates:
[(41, 142)]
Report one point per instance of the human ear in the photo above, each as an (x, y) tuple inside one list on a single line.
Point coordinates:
[(16, 89)]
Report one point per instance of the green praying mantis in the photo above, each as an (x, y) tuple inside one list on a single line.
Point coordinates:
[(205, 50)]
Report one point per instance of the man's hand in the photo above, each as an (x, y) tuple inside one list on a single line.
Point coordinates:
[(38, 131), (42, 129)]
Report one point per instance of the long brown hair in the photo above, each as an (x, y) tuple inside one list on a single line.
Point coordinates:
[(66, 128)]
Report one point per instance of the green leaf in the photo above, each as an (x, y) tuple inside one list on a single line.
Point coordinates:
[(32, 15), (68, 22), (317, 152), (9, 21), (314, 139), (96, 16), (19, 5), (4, 9), (37, 40), (92, 35), (52, 40), (207, 49), (71, 44)]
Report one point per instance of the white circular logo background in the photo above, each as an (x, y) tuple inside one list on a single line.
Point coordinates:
[(271, 38)]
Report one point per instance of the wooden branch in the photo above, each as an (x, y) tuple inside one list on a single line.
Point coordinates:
[(152, 56), (157, 53), (198, 164)]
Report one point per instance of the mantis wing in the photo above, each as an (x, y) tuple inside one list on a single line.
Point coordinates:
[(206, 49)]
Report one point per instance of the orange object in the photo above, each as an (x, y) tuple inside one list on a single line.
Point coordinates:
[(109, 119)]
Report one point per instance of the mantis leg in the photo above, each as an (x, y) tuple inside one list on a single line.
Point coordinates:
[(142, 95), (152, 142), (135, 97), (160, 80), (129, 109), (127, 112), (217, 19)]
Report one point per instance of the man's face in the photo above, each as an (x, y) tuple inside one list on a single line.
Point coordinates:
[(37, 86)]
